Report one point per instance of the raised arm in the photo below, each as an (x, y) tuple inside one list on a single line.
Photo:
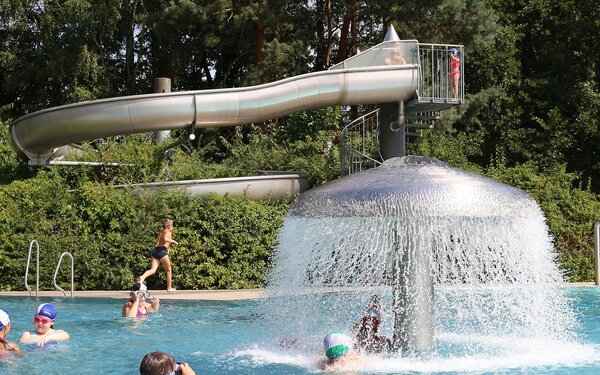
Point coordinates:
[(155, 304), (130, 308)]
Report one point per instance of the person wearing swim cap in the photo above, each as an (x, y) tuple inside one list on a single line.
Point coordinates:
[(44, 332), (137, 307), (339, 352), (454, 71), (160, 363), (5, 345)]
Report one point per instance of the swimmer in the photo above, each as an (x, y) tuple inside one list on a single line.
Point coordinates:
[(161, 254), (367, 338), (5, 345), (339, 352), (160, 363), (44, 332), (137, 307)]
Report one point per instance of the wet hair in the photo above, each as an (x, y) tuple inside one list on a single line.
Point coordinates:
[(5, 344), (167, 223), (157, 363)]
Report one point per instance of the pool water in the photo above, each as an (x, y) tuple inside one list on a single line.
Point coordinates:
[(217, 337)]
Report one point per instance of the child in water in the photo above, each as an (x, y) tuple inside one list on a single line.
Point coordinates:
[(339, 352), (367, 333), (137, 307), (44, 332), (5, 345)]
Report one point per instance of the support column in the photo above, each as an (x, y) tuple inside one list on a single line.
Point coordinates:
[(392, 133), (412, 295), (162, 85)]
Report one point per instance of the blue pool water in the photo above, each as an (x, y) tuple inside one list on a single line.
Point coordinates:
[(229, 338)]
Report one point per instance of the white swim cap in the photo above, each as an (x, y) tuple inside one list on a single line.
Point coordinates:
[(4, 318), (337, 344)]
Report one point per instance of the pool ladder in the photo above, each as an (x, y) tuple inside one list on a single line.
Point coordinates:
[(597, 251), (37, 269)]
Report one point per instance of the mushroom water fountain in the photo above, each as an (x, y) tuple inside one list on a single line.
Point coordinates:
[(452, 251)]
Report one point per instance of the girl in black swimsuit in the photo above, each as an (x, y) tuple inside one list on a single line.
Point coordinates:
[(161, 254)]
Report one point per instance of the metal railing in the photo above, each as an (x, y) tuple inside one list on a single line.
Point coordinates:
[(72, 273), (359, 140), (37, 270), (359, 144), (435, 82), (597, 251)]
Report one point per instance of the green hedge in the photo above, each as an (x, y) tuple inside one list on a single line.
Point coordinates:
[(570, 213), (225, 242)]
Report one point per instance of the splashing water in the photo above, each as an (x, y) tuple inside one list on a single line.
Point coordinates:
[(483, 244)]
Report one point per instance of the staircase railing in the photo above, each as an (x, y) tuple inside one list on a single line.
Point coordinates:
[(359, 144)]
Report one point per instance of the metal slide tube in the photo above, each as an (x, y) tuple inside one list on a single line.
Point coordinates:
[(36, 135)]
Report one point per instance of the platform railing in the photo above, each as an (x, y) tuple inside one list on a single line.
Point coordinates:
[(435, 84)]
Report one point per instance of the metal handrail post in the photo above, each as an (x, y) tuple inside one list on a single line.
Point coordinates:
[(37, 269), (597, 250), (72, 273)]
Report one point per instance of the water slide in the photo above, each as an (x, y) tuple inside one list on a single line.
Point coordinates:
[(361, 79)]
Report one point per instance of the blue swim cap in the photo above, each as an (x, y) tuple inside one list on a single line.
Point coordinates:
[(4, 318), (453, 51), (48, 310)]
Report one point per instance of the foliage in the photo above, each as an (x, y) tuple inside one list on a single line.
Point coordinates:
[(571, 212), (225, 242)]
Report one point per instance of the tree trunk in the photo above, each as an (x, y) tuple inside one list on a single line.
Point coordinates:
[(329, 35), (345, 33), (259, 52)]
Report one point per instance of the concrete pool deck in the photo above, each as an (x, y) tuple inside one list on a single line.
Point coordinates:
[(199, 295)]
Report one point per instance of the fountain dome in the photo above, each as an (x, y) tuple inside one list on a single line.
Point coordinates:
[(415, 185)]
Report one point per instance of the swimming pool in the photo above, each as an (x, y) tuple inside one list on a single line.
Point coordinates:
[(229, 338)]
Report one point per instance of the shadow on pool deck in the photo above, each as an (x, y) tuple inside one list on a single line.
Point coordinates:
[(206, 295), (201, 295)]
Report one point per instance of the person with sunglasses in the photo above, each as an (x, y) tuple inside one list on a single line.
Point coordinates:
[(136, 306), (43, 322)]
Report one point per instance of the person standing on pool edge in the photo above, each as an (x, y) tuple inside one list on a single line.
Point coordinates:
[(161, 254)]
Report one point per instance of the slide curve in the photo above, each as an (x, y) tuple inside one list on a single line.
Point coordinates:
[(37, 135)]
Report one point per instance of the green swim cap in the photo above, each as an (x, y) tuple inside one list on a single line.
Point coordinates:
[(337, 344)]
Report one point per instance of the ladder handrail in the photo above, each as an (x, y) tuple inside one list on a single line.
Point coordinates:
[(72, 273), (597, 251), (37, 271)]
